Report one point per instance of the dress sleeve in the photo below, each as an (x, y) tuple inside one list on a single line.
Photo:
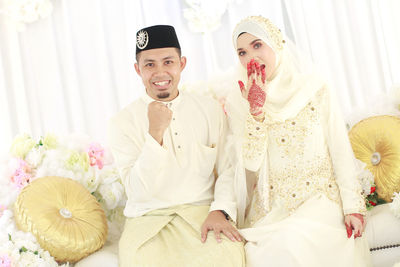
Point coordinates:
[(342, 157), (224, 195)]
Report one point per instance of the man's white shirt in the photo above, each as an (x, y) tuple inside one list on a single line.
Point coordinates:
[(181, 171)]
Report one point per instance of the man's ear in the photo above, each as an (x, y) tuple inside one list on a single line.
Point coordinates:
[(183, 62), (137, 69)]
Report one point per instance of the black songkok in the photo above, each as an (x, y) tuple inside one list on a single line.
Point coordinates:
[(158, 36)]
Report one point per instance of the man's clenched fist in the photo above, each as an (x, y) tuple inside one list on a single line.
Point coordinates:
[(159, 119)]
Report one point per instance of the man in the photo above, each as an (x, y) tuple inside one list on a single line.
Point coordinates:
[(166, 146)]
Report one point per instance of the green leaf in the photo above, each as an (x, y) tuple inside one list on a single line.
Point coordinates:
[(9, 237), (380, 201), (36, 252), (23, 249)]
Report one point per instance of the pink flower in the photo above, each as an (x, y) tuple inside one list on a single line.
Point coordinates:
[(2, 209), (22, 175), (5, 261), (96, 155)]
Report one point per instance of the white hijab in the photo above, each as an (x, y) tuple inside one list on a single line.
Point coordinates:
[(294, 81)]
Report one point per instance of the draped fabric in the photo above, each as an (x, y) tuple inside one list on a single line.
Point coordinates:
[(71, 71)]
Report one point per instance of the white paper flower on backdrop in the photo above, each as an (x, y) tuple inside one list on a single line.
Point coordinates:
[(21, 12), (205, 15)]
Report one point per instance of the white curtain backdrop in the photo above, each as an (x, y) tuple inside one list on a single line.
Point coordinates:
[(73, 70)]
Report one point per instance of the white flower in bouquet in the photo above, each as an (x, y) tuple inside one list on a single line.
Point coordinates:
[(111, 194), (19, 247), (8, 194), (109, 174), (8, 191), (35, 156), (21, 145), (367, 181), (365, 177), (49, 141), (53, 165), (90, 180), (395, 205), (77, 161)]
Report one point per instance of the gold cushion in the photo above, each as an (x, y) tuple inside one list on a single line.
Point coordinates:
[(65, 218), (376, 141)]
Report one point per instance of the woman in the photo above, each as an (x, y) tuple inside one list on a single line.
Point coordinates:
[(306, 207)]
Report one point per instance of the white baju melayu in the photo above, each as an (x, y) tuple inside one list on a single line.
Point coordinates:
[(170, 188), (293, 213)]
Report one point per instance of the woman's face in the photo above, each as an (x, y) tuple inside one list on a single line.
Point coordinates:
[(251, 47)]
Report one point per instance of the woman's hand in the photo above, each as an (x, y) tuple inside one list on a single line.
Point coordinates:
[(255, 90), (356, 222)]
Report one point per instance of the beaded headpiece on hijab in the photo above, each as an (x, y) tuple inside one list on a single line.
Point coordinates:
[(262, 28)]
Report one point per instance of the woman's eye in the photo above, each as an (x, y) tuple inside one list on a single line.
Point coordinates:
[(241, 53), (257, 45)]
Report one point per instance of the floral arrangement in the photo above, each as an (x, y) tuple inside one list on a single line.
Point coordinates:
[(366, 179), (21, 12), (205, 15), (367, 182), (18, 248), (70, 156)]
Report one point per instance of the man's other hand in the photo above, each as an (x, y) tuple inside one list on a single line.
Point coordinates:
[(217, 222)]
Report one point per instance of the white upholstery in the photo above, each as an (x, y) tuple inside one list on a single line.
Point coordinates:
[(382, 231), (105, 257)]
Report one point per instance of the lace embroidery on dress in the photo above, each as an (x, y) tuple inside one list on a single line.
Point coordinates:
[(300, 175), (255, 139)]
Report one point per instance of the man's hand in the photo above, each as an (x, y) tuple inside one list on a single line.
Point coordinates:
[(255, 91), (159, 119), (217, 222), (354, 221)]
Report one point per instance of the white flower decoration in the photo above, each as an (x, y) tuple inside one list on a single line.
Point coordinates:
[(35, 156), (395, 205), (205, 15), (365, 177), (111, 194), (21, 12)]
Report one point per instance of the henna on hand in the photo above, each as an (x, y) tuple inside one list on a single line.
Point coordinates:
[(255, 92), (256, 99)]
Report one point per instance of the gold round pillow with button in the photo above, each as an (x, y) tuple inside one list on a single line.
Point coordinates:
[(64, 217), (376, 142)]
